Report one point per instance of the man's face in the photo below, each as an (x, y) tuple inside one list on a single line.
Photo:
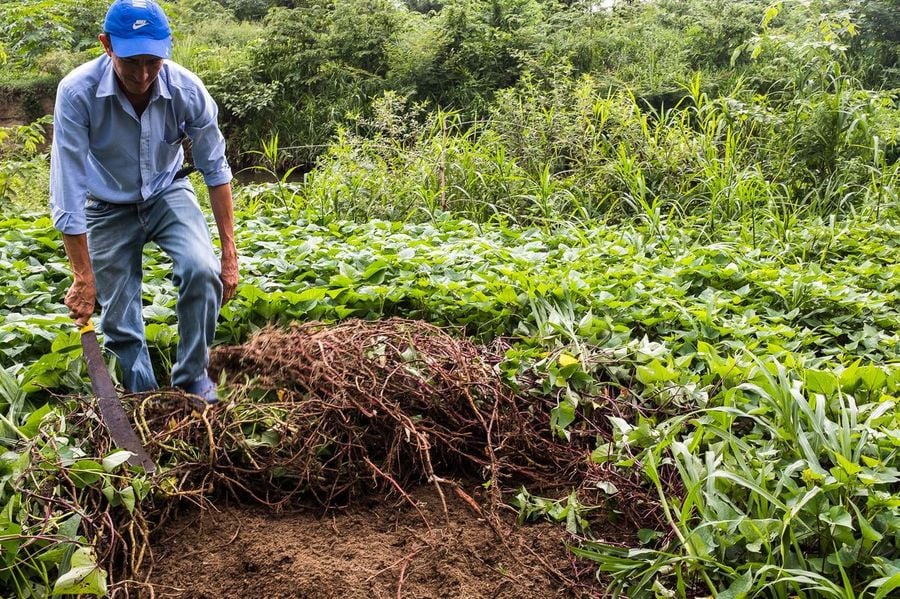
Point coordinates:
[(136, 73)]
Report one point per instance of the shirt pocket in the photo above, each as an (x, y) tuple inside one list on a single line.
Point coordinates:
[(175, 136)]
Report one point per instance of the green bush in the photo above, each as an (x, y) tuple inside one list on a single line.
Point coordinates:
[(32, 28), (24, 167)]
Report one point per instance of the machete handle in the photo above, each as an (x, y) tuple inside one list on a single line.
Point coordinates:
[(87, 328)]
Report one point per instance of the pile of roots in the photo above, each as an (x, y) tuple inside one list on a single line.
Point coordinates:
[(359, 409), (333, 412)]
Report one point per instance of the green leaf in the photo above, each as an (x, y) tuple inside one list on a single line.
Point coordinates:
[(85, 473), (848, 466), (655, 372), (375, 272), (885, 586), (648, 535), (85, 577), (68, 528), (33, 422), (561, 417), (116, 459), (127, 497), (311, 294), (837, 516), (738, 588), (821, 381), (602, 453), (873, 378), (846, 556), (870, 535)]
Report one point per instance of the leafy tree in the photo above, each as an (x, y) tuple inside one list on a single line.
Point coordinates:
[(425, 6), (248, 10), (31, 28), (481, 49)]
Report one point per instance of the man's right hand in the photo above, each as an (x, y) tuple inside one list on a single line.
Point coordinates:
[(80, 300), (82, 294)]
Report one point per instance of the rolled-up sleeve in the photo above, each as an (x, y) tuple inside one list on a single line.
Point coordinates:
[(68, 178), (208, 143)]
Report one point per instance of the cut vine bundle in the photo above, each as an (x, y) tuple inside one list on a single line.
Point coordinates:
[(359, 409), (332, 412)]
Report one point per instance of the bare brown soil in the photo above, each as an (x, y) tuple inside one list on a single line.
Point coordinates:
[(13, 111), (388, 549)]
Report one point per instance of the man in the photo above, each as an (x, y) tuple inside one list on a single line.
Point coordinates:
[(119, 124)]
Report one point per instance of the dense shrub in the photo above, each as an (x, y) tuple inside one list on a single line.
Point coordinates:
[(31, 28)]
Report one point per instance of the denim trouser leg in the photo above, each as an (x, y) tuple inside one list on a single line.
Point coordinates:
[(115, 242), (116, 236), (178, 226)]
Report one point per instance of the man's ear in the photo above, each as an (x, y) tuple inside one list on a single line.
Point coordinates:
[(107, 45)]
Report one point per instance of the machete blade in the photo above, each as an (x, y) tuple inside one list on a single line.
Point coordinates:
[(111, 410)]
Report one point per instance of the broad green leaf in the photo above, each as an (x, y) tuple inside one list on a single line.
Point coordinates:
[(837, 516), (84, 577), (85, 473), (116, 459), (30, 428), (870, 535), (602, 453), (68, 528), (655, 372), (127, 497), (848, 466), (821, 381), (738, 588), (312, 294), (873, 378), (561, 417), (567, 360)]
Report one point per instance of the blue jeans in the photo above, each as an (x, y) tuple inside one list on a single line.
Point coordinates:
[(117, 233)]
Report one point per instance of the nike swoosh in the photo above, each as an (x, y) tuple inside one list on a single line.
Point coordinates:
[(140, 24)]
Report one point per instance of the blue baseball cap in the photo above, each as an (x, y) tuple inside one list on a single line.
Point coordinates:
[(138, 27)]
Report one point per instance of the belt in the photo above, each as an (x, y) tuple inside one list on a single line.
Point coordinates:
[(184, 172)]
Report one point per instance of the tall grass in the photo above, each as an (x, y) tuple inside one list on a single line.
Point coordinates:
[(576, 152), (788, 476)]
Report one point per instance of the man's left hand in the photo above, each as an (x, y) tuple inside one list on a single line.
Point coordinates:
[(229, 275)]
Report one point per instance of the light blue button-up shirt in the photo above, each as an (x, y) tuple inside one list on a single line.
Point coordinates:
[(103, 149)]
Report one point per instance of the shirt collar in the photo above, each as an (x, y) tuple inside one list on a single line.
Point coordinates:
[(108, 85)]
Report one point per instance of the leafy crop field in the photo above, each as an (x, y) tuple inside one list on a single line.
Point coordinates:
[(753, 386)]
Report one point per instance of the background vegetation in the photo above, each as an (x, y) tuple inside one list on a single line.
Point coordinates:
[(683, 213)]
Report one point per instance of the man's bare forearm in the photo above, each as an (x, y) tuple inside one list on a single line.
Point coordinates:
[(79, 258), (220, 201), (82, 294)]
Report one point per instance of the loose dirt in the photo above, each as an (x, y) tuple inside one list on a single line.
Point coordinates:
[(385, 549)]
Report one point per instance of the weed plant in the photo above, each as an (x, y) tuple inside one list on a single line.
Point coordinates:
[(541, 157)]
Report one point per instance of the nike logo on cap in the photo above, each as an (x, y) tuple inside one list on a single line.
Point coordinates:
[(139, 23)]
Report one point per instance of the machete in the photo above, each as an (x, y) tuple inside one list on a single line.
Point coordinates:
[(111, 410)]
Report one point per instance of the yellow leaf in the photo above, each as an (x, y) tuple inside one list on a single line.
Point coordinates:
[(871, 462), (567, 360)]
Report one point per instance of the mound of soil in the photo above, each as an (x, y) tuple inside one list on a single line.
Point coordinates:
[(387, 549)]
